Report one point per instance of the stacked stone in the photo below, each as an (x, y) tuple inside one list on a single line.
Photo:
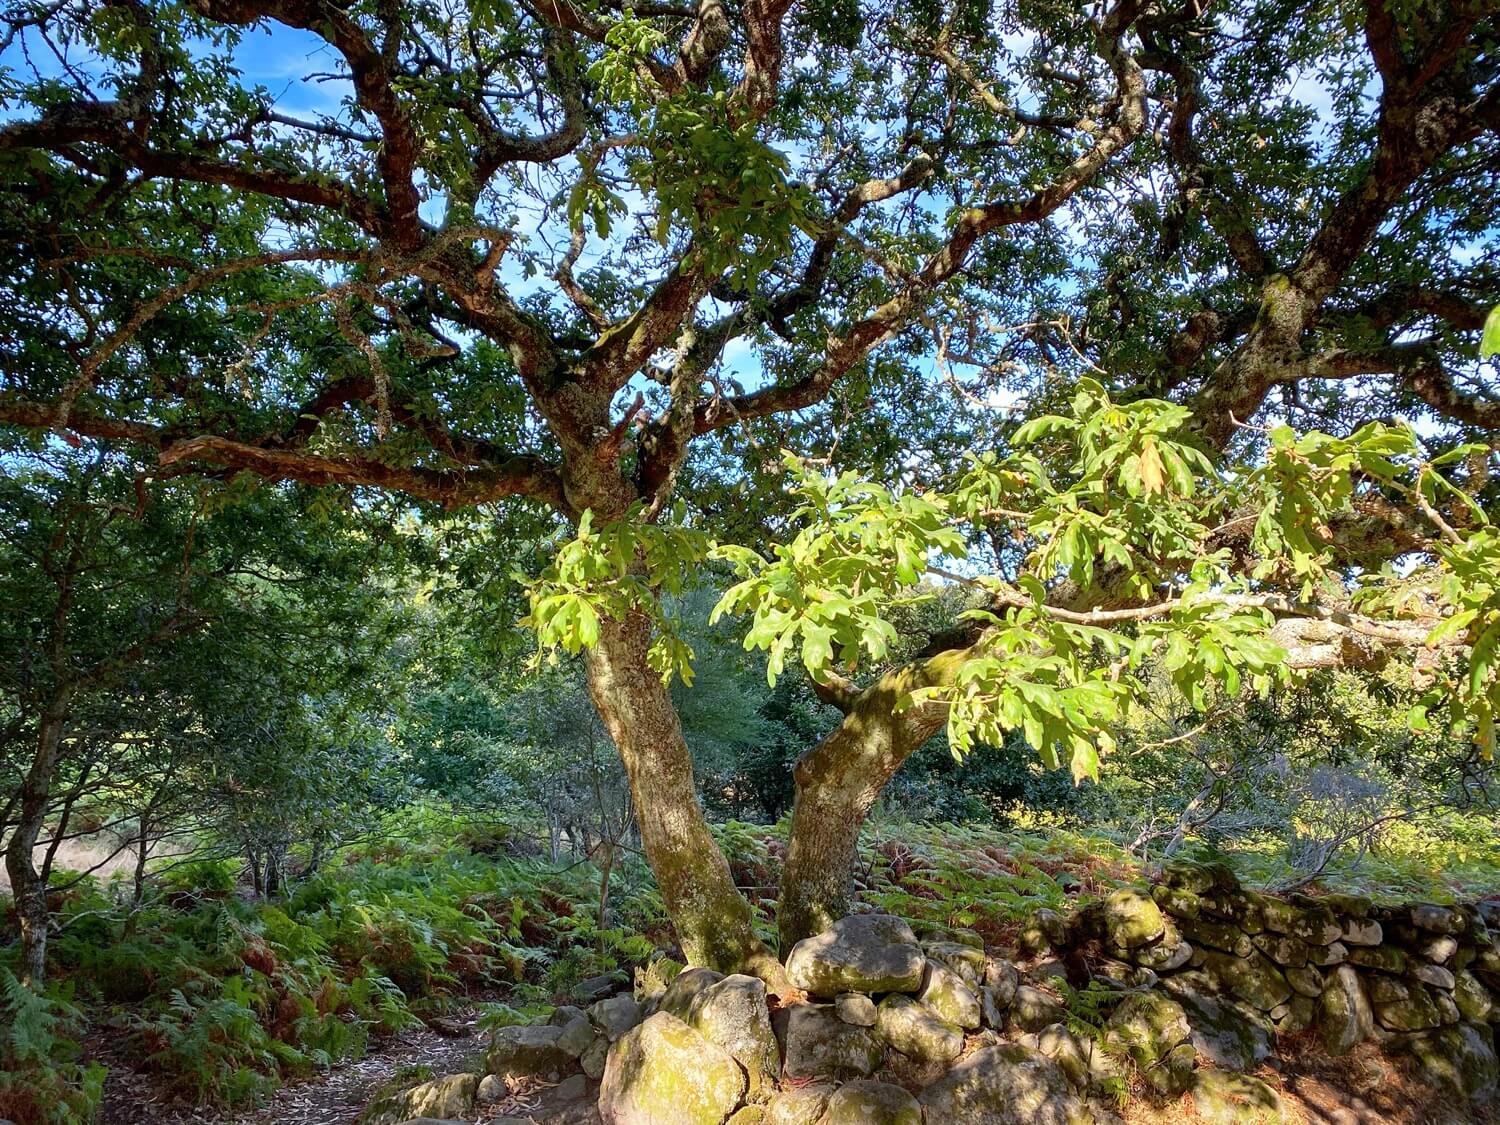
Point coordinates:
[(1421, 977)]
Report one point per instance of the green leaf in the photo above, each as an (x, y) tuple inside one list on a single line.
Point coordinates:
[(1489, 343)]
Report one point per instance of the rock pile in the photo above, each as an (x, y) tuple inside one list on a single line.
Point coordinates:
[(1185, 983)]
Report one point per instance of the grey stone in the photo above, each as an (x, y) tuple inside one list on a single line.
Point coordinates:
[(1003, 977), (861, 953), (445, 1098), (1282, 948), (1079, 1060), (1439, 950), (1474, 1001), (1357, 931), (1306, 981), (855, 1008), (965, 960), (817, 1044), (1335, 953), (616, 1015), (662, 1072), (1420, 1011), (490, 1089), (597, 988), (917, 1031), (867, 1102), (949, 995), (576, 1035), (1385, 958), (1438, 919), (1032, 1009), (571, 1089), (1004, 1085), (1383, 989), (595, 1057), (732, 1014), (1346, 1019), (1428, 973), (1255, 980), (527, 1051)]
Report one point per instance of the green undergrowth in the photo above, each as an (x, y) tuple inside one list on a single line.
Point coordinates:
[(221, 998)]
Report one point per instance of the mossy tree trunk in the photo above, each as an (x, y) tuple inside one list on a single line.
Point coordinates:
[(838, 782), (713, 920)]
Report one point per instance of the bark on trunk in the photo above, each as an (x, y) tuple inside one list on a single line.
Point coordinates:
[(838, 781), (712, 919), (28, 885)]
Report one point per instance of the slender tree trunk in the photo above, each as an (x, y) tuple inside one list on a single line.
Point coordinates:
[(838, 782), (711, 917), (28, 885)]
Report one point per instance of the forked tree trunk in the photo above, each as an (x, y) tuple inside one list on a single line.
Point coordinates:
[(712, 919), (838, 782), (28, 885)]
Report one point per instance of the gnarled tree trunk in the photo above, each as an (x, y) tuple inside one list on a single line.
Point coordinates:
[(838, 782), (712, 919)]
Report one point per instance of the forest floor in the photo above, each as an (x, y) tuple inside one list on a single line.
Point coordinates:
[(333, 1097)]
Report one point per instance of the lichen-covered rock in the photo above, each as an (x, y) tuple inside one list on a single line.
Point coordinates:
[(867, 1102), (1303, 918), (949, 995), (861, 953), (1003, 977), (1189, 876), (1439, 919), (1474, 1001), (1383, 958), (1459, 1058), (1255, 979), (678, 999), (1132, 919), (1167, 955), (445, 1098), (1345, 1018), (855, 1008), (965, 960), (1177, 901), (732, 1014), (1335, 953), (1435, 975), (662, 1072), (1082, 1060), (799, 1105), (1032, 1009), (527, 1051), (917, 1031), (1221, 1034), (1305, 981), (1285, 950), (1362, 931), (1383, 989), (1152, 1029), (1225, 1098), (817, 1044), (1004, 1085), (748, 1115), (1244, 908), (1206, 933), (1297, 1014), (615, 1015), (1421, 1010)]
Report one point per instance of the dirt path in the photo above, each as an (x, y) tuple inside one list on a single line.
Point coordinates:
[(332, 1098)]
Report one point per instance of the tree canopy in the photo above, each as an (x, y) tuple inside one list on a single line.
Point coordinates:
[(1199, 289)]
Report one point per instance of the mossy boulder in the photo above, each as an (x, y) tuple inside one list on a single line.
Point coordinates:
[(917, 1030), (1460, 1059), (662, 1072), (678, 998), (1254, 979), (817, 1044), (732, 1013), (446, 1098), (855, 1008), (1009, 1084), (1285, 950), (1383, 958), (949, 995), (1152, 1030), (1421, 1010), (1225, 1098), (1301, 918), (1222, 1034), (1223, 936), (1132, 919), (1475, 1003), (867, 1102), (1032, 1009), (959, 957), (861, 953), (1439, 919), (799, 1105)]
